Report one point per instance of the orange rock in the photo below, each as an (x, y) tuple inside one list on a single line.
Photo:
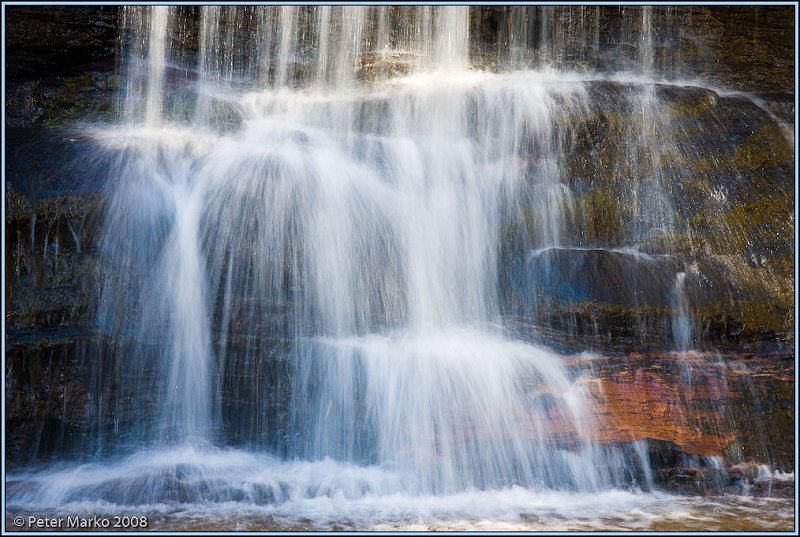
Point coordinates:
[(644, 407)]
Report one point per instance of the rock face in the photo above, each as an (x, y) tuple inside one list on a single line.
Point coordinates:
[(727, 166), (59, 63), (698, 412), (59, 72), (709, 195), (744, 48)]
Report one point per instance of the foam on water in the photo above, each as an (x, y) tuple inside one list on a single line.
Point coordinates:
[(439, 402), (250, 491)]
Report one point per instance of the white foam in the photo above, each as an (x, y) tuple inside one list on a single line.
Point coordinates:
[(327, 494)]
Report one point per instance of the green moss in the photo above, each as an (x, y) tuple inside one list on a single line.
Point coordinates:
[(766, 147), (763, 223), (743, 320), (782, 265), (701, 187), (86, 97), (692, 109), (593, 143), (760, 305), (765, 319), (775, 210), (683, 242), (599, 216)]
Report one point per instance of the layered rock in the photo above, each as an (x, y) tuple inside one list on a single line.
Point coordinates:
[(728, 164), (709, 194)]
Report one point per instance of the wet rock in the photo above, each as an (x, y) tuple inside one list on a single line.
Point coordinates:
[(747, 46), (721, 212), (45, 397), (59, 63), (52, 266), (703, 480), (382, 65), (708, 408), (623, 277)]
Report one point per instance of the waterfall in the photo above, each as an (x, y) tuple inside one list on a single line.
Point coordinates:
[(318, 231), (372, 220), (681, 317)]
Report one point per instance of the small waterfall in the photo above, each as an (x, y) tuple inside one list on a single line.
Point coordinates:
[(157, 53), (318, 221), (187, 409), (451, 46), (287, 24), (373, 222), (682, 332), (146, 64)]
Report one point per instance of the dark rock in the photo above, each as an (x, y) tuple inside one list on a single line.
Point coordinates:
[(622, 277), (59, 63)]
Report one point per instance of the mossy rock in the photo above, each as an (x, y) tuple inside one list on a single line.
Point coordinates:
[(17, 205), (747, 47), (599, 217), (51, 267), (763, 228), (767, 147), (687, 102)]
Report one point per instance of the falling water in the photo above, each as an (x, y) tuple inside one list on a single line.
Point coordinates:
[(157, 52), (681, 318), (305, 263)]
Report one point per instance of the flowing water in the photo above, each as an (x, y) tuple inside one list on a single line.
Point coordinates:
[(304, 259), (187, 489)]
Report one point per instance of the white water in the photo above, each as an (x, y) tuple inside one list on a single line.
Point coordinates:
[(284, 200), (186, 489), (386, 230), (682, 332)]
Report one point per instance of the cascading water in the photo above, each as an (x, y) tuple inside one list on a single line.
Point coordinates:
[(373, 214), (681, 319), (305, 266)]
